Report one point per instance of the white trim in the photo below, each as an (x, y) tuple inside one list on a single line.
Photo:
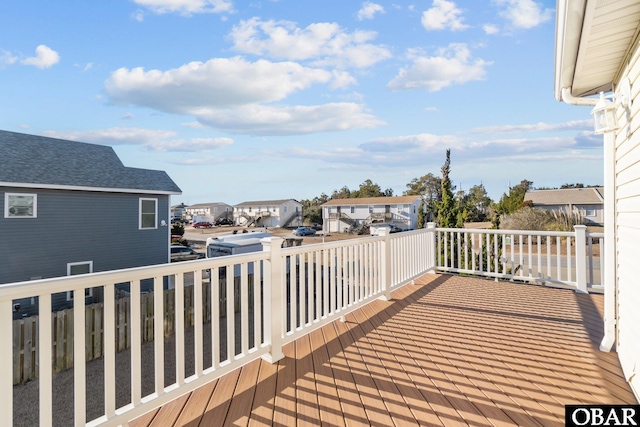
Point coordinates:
[(6, 205), (81, 188), (155, 213)]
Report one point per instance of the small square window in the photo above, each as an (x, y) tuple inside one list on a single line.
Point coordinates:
[(74, 268), (20, 205), (148, 213)]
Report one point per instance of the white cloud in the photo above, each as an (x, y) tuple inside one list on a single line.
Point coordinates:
[(323, 43), (186, 7), (524, 14), (444, 14), (409, 143), (150, 139), (6, 58), (45, 57), (369, 10), (138, 15), (229, 94), (579, 125), (490, 29), (452, 65), (218, 83), (258, 119)]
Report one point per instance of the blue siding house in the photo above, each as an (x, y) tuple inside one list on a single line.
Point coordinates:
[(68, 207)]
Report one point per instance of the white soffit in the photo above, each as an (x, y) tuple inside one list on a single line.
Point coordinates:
[(609, 30)]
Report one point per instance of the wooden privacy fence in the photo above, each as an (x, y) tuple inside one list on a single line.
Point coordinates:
[(25, 340)]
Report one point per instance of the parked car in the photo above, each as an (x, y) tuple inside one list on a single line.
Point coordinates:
[(224, 221), (202, 225), (183, 253), (317, 227), (304, 231)]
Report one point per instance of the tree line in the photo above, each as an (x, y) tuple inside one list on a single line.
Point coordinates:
[(441, 201)]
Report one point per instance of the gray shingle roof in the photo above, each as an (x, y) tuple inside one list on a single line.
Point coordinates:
[(43, 161), (565, 196)]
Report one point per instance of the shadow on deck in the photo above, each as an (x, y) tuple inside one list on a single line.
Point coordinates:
[(449, 350)]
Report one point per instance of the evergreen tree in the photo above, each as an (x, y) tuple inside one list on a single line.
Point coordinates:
[(448, 209)]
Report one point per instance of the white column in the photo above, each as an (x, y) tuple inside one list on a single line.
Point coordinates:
[(431, 248), (608, 258), (581, 258), (385, 263), (274, 298)]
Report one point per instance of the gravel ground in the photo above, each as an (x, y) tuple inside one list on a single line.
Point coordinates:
[(26, 397)]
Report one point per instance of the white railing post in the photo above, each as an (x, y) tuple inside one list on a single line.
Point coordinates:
[(273, 298), (385, 264), (431, 248), (581, 258)]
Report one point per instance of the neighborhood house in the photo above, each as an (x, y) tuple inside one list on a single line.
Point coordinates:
[(588, 202), (268, 213), (70, 208), (354, 215)]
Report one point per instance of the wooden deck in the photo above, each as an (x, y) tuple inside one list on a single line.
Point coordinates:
[(448, 350)]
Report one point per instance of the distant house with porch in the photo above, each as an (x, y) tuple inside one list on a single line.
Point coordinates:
[(178, 210), (70, 208), (589, 202), (216, 210), (345, 215), (268, 213)]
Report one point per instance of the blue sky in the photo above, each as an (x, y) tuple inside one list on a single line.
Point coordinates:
[(272, 99)]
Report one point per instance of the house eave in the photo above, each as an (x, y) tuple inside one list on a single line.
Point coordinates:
[(81, 188), (593, 41)]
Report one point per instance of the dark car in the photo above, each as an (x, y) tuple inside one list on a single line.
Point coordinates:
[(183, 253), (304, 231), (317, 227), (224, 221), (202, 225)]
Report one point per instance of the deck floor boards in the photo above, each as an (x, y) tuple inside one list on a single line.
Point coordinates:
[(446, 351)]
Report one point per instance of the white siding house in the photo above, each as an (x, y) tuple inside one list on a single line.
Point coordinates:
[(597, 50), (268, 213), (216, 210), (344, 215), (589, 202)]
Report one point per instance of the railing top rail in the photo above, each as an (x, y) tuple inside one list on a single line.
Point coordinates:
[(11, 291), (296, 250), (509, 232)]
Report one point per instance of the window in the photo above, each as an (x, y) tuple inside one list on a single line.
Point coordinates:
[(370, 209), (590, 212), (148, 213), (353, 209), (20, 205), (74, 268)]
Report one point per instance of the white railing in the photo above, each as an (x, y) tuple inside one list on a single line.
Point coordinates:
[(561, 259), (259, 302)]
